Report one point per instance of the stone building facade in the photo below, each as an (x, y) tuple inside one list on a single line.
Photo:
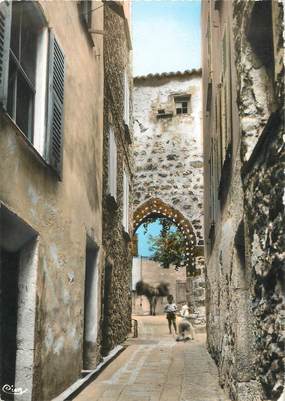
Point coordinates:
[(168, 157), (243, 115), (117, 185)]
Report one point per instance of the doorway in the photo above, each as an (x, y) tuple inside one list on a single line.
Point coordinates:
[(90, 305), (9, 267), (18, 276), (106, 341)]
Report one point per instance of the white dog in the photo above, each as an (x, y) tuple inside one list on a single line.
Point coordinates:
[(185, 327)]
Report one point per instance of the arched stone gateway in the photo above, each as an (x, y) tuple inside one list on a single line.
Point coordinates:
[(155, 207), (168, 160)]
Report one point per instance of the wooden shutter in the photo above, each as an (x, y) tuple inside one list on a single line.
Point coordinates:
[(56, 74), (5, 31)]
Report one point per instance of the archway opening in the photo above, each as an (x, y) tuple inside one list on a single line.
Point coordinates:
[(164, 257)]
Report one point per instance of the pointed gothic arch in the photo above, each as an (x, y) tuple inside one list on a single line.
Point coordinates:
[(155, 207)]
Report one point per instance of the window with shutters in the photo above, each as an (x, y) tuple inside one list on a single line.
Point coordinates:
[(26, 29), (126, 202), (126, 98), (112, 165), (32, 78)]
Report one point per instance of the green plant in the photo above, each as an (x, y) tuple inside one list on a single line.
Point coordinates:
[(168, 248)]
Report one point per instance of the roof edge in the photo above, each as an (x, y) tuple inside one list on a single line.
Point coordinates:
[(186, 73)]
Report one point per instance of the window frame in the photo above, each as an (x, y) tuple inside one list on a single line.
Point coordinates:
[(182, 99), (32, 12), (46, 77)]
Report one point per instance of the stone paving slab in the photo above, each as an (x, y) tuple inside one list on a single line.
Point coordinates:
[(155, 367)]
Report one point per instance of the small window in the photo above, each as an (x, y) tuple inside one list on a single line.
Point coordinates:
[(112, 165), (182, 105), (86, 12)]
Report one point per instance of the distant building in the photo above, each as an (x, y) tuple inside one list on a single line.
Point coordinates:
[(153, 274), (243, 124), (168, 159)]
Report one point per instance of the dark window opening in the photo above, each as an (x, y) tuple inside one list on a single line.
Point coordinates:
[(22, 67), (211, 237), (86, 13), (162, 113), (240, 243), (260, 34), (89, 302), (209, 96), (106, 340)]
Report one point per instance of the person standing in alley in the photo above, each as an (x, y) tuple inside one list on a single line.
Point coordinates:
[(170, 309)]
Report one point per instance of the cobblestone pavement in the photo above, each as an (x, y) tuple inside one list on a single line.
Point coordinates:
[(155, 367)]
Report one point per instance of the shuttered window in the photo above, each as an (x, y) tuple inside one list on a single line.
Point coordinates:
[(126, 99), (55, 105), (29, 56), (126, 202), (112, 165), (5, 30)]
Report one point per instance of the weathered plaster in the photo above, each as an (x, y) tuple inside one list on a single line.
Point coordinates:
[(61, 212)]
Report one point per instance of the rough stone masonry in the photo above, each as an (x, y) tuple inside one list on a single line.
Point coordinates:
[(168, 149)]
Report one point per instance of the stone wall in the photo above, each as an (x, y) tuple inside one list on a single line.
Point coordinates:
[(168, 151), (115, 241), (245, 277), (168, 148), (264, 182)]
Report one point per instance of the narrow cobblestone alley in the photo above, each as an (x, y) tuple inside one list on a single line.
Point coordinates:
[(155, 367), (142, 180)]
